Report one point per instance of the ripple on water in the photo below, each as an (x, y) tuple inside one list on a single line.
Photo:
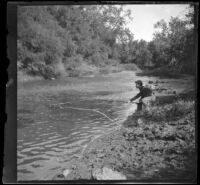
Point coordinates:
[(49, 146), (29, 143), (74, 133), (84, 135), (50, 142), (52, 153), (57, 149), (52, 137), (28, 160), (31, 148), (75, 143), (23, 171), (47, 134), (20, 155)]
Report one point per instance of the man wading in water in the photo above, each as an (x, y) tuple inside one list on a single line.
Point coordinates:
[(145, 95)]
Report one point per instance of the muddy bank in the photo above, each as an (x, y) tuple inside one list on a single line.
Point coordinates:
[(154, 145)]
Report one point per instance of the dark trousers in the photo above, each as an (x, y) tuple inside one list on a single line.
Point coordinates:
[(139, 106)]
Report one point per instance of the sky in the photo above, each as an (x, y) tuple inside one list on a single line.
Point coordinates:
[(145, 16)]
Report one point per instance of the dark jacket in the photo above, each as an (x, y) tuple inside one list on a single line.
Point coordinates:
[(144, 92)]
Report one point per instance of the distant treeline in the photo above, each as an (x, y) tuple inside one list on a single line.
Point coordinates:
[(58, 40)]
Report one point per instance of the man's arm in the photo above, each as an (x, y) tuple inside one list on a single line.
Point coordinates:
[(135, 97)]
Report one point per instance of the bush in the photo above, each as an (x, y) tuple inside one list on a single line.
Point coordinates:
[(86, 69), (131, 67), (77, 66), (71, 63), (169, 112), (98, 59), (60, 69)]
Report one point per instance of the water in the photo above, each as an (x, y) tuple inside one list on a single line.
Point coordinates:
[(49, 136)]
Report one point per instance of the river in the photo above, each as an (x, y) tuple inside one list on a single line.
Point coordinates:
[(50, 135)]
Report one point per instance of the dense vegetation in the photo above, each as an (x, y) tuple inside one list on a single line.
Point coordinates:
[(69, 40)]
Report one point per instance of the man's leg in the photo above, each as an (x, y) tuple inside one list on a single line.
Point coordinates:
[(139, 106)]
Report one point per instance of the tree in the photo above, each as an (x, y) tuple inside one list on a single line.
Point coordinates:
[(52, 36), (173, 43), (142, 53)]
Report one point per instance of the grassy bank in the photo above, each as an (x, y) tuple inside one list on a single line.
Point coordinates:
[(157, 144)]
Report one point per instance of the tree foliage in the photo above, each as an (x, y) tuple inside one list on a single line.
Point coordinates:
[(52, 40), (50, 36), (173, 44)]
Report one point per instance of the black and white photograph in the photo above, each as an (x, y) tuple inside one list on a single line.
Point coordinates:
[(106, 92)]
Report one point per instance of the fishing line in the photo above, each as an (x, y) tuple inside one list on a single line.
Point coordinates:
[(60, 103), (94, 110), (77, 108)]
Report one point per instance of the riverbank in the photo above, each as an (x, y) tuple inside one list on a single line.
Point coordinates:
[(155, 145)]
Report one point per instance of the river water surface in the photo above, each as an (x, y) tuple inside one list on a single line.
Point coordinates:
[(50, 135)]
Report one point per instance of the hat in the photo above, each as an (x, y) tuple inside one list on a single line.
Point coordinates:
[(139, 82)]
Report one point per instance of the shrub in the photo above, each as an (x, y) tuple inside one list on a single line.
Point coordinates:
[(71, 63), (98, 59), (77, 66), (60, 69), (131, 67), (86, 69), (169, 112)]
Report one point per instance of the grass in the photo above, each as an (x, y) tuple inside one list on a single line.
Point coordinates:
[(168, 112)]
